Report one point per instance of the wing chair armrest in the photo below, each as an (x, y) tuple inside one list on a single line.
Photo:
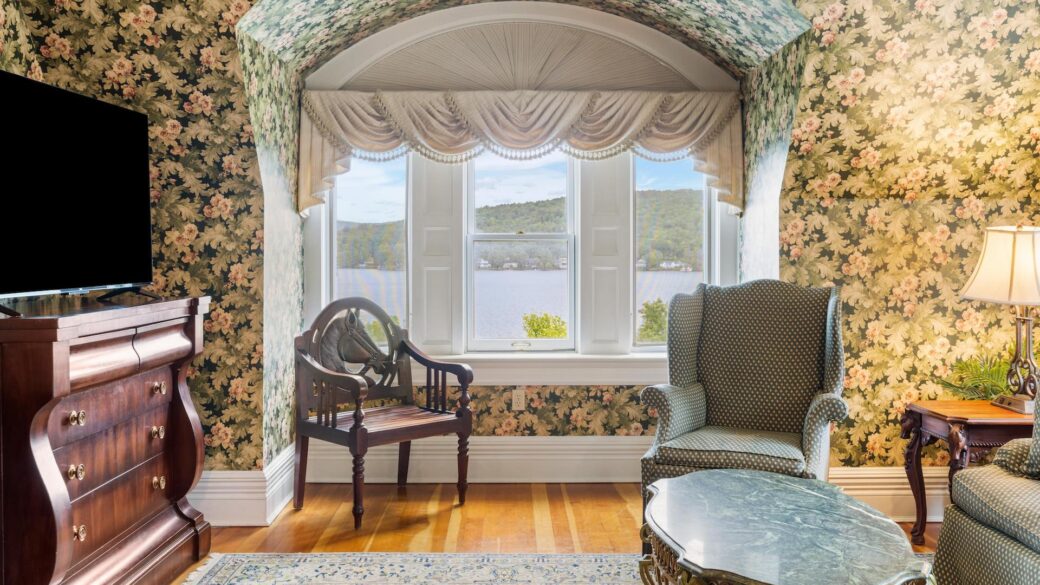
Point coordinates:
[(816, 442), (1013, 456), (679, 410)]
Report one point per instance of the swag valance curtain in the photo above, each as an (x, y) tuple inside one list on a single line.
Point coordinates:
[(453, 127)]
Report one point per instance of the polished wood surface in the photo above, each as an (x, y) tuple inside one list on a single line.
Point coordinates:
[(971, 411), (90, 493), (499, 518), (970, 428)]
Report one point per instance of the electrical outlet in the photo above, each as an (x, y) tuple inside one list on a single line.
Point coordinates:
[(520, 398)]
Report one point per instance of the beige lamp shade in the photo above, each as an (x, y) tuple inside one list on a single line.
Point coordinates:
[(1008, 271)]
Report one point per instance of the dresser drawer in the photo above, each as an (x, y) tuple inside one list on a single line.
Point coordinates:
[(102, 456), (106, 512), (100, 407)]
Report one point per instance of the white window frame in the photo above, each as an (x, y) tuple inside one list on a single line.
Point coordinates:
[(473, 237), (586, 363)]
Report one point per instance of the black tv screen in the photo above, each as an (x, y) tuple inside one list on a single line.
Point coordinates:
[(75, 210)]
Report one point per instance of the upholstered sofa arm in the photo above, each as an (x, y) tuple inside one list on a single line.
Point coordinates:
[(679, 410), (816, 437), (1013, 456)]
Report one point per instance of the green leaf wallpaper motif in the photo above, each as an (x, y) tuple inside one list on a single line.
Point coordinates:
[(918, 126), (16, 50), (735, 34), (178, 62)]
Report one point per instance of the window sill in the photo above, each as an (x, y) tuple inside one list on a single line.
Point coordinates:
[(559, 368)]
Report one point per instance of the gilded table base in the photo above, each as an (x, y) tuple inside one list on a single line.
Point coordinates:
[(661, 567)]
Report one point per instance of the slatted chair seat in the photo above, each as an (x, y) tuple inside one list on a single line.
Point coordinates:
[(344, 360), (386, 424)]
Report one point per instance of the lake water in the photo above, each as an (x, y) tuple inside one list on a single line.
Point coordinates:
[(504, 296)]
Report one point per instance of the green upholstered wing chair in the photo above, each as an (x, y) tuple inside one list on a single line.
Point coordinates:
[(991, 530), (755, 378)]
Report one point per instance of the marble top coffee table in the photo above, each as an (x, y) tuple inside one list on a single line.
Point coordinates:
[(745, 527)]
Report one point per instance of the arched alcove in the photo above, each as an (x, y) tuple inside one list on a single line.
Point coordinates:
[(282, 42)]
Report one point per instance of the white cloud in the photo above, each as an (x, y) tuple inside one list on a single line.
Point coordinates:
[(372, 192), (499, 180)]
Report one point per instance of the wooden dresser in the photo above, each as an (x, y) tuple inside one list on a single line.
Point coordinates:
[(100, 441)]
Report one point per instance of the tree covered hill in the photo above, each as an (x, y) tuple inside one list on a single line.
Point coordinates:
[(669, 233)]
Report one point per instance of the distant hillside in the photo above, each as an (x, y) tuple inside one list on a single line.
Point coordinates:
[(668, 232)]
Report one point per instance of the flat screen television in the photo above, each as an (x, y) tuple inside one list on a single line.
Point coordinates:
[(75, 209)]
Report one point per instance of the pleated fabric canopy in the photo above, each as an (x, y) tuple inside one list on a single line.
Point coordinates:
[(453, 127)]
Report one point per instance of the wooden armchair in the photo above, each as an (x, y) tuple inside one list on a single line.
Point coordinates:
[(352, 353)]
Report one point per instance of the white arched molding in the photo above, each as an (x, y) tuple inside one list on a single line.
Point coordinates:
[(454, 127)]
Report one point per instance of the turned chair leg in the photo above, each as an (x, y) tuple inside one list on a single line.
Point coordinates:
[(359, 489), (463, 466), (300, 463), (404, 450)]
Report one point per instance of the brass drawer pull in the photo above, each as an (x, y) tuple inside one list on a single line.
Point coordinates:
[(159, 432), (79, 533), (159, 482), (78, 418), (77, 471), (159, 388)]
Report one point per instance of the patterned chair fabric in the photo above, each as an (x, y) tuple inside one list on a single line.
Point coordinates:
[(755, 378), (730, 448), (971, 553), (991, 531), (1033, 461)]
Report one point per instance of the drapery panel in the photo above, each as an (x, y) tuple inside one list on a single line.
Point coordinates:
[(454, 127)]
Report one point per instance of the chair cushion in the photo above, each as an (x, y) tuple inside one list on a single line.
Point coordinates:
[(714, 447), (762, 353), (1003, 501)]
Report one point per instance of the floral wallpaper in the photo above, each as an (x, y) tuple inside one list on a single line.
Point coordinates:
[(178, 62), (770, 95), (16, 50), (918, 125), (735, 34), (558, 411)]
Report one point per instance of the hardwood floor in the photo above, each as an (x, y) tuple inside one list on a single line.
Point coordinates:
[(562, 518)]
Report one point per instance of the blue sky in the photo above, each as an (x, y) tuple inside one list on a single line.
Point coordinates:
[(375, 192)]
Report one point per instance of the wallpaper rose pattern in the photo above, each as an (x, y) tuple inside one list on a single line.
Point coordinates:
[(178, 62), (16, 50), (918, 126), (735, 34)]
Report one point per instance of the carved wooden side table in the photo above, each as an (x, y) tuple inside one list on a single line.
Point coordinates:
[(971, 428), (745, 527)]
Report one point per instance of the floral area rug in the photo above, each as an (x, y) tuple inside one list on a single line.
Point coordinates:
[(417, 569)]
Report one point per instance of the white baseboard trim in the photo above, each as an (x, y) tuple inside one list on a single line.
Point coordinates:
[(887, 489), (591, 460), (254, 498), (245, 498), (491, 460)]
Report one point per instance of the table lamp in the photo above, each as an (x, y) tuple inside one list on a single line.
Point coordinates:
[(1008, 273)]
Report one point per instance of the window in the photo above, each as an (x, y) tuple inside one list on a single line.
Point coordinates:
[(520, 248), (370, 248), (670, 230), (524, 257)]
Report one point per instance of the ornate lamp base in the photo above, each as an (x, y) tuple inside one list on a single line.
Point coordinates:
[(1020, 403)]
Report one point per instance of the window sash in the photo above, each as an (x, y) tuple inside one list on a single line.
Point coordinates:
[(708, 203), (473, 237), (475, 343)]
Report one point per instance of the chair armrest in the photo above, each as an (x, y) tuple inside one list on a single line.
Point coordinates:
[(1013, 456), (816, 436), (679, 410), (463, 372)]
